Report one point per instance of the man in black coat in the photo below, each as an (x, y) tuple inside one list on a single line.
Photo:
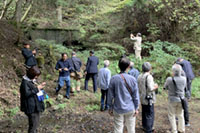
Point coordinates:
[(29, 56), (91, 70)]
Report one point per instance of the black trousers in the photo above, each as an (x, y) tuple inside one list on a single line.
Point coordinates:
[(186, 112), (104, 95), (33, 120), (94, 79), (148, 117), (189, 83)]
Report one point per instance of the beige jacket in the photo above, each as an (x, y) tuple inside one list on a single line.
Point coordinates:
[(137, 43), (146, 91)]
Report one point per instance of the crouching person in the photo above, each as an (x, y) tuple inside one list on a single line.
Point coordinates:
[(147, 89), (103, 81), (176, 85), (31, 105), (123, 98)]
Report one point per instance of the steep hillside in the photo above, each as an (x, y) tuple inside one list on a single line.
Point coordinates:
[(11, 61)]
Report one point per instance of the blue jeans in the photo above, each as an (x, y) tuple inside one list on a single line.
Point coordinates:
[(104, 95), (61, 82)]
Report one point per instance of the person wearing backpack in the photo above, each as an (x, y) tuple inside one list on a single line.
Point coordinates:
[(176, 91), (123, 98), (75, 74), (147, 89), (30, 99)]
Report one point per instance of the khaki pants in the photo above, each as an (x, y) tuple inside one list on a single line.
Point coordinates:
[(175, 109), (121, 119), (75, 82), (138, 54)]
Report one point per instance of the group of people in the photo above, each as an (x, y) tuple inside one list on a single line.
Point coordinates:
[(127, 90), (121, 94)]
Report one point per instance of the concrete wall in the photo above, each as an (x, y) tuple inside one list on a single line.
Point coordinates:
[(57, 35)]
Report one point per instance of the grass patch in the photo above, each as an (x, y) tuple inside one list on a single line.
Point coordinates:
[(196, 87)]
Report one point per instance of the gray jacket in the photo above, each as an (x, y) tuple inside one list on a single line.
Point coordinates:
[(174, 93)]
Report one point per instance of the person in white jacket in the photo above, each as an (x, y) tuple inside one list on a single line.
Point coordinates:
[(137, 45)]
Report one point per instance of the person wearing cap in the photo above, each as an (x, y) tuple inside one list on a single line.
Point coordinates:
[(137, 45), (29, 56), (103, 81), (123, 98), (176, 89), (75, 72), (147, 89), (91, 71), (133, 71)]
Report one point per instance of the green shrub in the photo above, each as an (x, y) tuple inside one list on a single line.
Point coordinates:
[(13, 111), (196, 87), (92, 107)]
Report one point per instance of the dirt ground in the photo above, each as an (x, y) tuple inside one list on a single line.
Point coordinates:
[(75, 118)]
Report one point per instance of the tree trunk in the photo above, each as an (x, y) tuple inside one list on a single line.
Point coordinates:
[(18, 11), (59, 10)]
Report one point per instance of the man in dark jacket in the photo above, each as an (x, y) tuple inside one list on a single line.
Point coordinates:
[(187, 68), (64, 68), (76, 74), (91, 70), (29, 56)]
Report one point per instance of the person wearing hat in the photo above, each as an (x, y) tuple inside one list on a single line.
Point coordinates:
[(147, 89), (137, 45), (29, 56), (91, 71)]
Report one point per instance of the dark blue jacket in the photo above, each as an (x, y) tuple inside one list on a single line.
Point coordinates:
[(75, 63), (134, 72), (29, 57), (61, 65), (92, 63), (187, 68)]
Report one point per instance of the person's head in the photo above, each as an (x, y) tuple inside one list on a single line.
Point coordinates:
[(131, 65), (139, 34), (64, 56), (33, 73), (73, 53), (106, 63), (179, 60), (146, 67), (91, 53), (123, 64), (26, 45), (176, 70)]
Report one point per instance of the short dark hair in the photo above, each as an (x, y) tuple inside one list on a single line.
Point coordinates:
[(25, 43), (91, 52), (63, 54), (123, 64), (32, 72)]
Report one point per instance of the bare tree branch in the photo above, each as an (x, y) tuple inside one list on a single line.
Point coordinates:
[(26, 12), (5, 7)]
